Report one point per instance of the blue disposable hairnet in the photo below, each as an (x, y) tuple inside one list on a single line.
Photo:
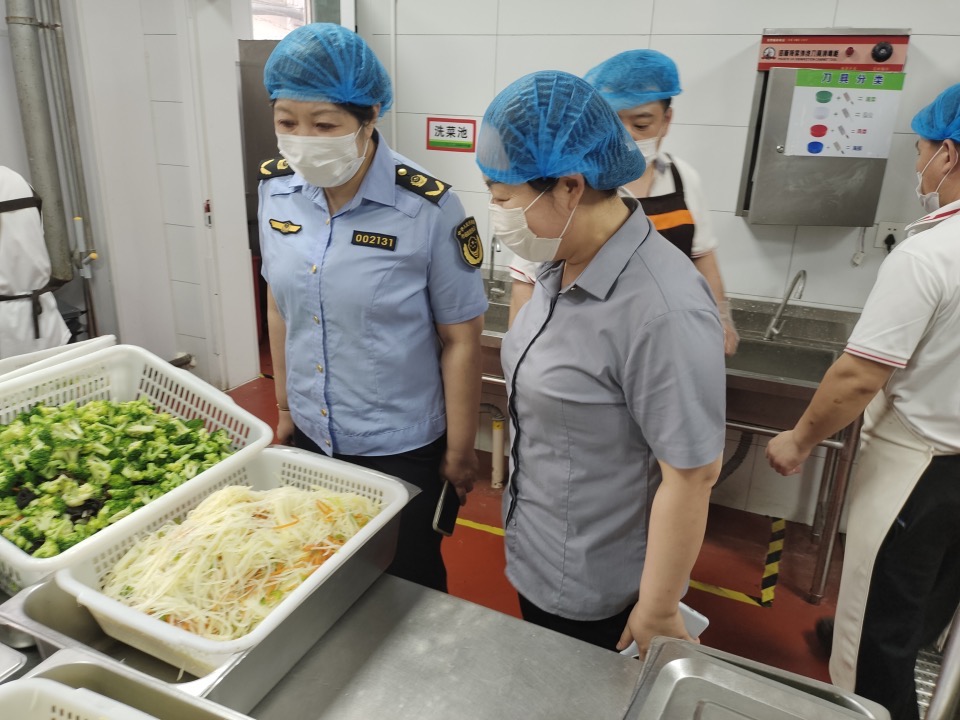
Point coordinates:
[(551, 124), (635, 77), (940, 120), (325, 62)]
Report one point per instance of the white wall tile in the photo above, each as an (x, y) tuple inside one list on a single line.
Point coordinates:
[(716, 152), (177, 193), (170, 133), (519, 55), (532, 17), (754, 259), (793, 498), (825, 252), (373, 18), (164, 77), (927, 17), (459, 169), (453, 17), (717, 73), (183, 253), (444, 74), (189, 315), (933, 64), (158, 17), (745, 16), (898, 197)]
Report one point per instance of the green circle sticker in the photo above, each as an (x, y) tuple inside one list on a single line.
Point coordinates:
[(824, 96)]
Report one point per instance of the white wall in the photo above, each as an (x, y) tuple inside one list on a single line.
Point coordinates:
[(453, 58)]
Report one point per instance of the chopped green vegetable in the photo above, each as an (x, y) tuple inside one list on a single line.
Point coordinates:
[(67, 472)]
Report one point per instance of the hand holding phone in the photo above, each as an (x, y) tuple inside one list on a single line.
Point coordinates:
[(445, 517)]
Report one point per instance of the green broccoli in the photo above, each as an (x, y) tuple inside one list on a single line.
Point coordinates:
[(79, 494)]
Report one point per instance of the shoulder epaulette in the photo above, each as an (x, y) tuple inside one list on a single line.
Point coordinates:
[(274, 167), (420, 183)]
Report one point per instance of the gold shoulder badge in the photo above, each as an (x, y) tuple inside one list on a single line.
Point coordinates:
[(471, 248), (285, 226), (420, 183), (275, 167)]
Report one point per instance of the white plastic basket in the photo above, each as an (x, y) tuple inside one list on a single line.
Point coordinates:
[(40, 699), (123, 373), (18, 365), (270, 468)]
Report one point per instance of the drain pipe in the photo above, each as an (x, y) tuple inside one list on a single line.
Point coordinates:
[(497, 459), (38, 132)]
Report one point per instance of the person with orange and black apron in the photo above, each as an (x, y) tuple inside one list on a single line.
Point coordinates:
[(639, 85), (29, 319)]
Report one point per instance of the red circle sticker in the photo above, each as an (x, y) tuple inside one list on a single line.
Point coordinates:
[(818, 130)]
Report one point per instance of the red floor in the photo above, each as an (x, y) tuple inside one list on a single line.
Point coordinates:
[(732, 558)]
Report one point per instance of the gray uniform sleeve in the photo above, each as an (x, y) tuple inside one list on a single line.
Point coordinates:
[(675, 387)]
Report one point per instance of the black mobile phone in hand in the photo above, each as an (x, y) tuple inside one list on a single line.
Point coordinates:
[(445, 517)]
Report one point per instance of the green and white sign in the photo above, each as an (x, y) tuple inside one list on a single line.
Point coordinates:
[(843, 113)]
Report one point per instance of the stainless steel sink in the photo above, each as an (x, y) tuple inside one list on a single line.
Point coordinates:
[(795, 364)]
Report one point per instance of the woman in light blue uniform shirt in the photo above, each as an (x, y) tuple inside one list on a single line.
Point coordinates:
[(614, 371), (375, 305)]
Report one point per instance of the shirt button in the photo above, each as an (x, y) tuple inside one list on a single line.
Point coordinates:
[(327, 443), (316, 319), (313, 270), (320, 368), (327, 221), (323, 412)]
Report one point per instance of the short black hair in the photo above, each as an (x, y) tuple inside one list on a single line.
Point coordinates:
[(363, 113), (542, 185)]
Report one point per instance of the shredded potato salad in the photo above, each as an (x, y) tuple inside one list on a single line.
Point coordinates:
[(236, 556)]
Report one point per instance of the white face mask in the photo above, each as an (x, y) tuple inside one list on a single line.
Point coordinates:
[(323, 161), (650, 149), (929, 201), (509, 226)]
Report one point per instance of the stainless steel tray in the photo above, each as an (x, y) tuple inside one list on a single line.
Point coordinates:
[(10, 661), (55, 621), (684, 680), (91, 671)]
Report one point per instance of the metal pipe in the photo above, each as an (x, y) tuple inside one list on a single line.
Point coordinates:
[(38, 132), (945, 702), (72, 138), (838, 495), (772, 329), (493, 380), (770, 432)]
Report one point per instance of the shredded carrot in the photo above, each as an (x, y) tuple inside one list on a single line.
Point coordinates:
[(286, 525)]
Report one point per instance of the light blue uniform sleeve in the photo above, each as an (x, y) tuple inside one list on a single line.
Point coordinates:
[(456, 289), (675, 387)]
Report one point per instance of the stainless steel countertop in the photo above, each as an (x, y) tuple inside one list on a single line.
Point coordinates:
[(404, 651)]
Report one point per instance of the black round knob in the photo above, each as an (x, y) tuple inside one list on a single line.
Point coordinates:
[(882, 52)]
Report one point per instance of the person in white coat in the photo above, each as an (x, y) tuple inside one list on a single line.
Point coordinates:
[(900, 584), (29, 319)]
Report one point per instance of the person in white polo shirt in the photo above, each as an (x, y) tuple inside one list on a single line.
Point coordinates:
[(901, 572)]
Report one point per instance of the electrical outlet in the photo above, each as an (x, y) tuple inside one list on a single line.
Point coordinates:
[(888, 228)]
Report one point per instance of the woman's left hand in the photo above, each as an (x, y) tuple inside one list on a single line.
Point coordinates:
[(460, 468), (642, 626)]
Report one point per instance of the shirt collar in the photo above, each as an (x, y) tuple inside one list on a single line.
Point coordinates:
[(935, 218), (602, 272)]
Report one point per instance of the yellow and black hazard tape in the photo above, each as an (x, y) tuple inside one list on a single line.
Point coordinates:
[(771, 572), (771, 567)]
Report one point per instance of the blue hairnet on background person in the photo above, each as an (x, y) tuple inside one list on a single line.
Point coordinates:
[(635, 77), (940, 120), (594, 396), (368, 260), (639, 85)]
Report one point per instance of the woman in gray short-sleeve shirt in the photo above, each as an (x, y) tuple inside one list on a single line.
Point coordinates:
[(615, 374)]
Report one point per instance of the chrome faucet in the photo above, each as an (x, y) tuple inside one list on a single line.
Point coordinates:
[(798, 283), (494, 288)]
